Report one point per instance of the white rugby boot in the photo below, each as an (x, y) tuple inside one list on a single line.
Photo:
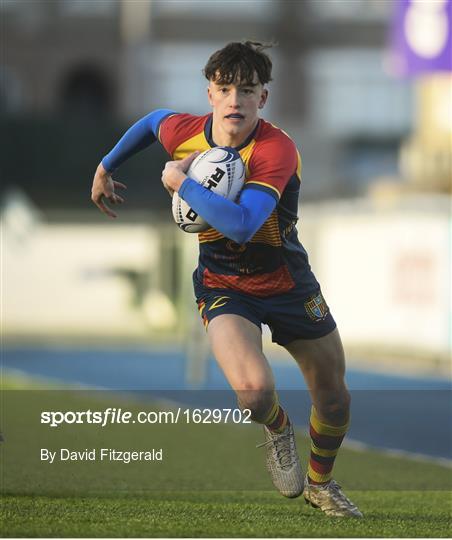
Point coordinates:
[(282, 462), (330, 499)]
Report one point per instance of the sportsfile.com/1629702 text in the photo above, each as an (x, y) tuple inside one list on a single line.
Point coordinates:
[(112, 415)]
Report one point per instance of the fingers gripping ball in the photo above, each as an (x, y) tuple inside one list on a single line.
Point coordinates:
[(219, 169)]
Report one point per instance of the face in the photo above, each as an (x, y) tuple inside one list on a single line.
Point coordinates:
[(235, 107)]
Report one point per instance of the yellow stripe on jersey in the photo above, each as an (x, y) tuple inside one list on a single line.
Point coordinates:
[(264, 184), (273, 241), (245, 154), (198, 142), (211, 235), (269, 232)]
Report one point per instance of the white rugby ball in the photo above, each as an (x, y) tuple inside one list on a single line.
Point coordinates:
[(219, 169)]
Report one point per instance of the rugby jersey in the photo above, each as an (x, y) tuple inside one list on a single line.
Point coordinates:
[(273, 261)]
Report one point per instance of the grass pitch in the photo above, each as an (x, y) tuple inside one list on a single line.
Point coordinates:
[(223, 514), (212, 484)]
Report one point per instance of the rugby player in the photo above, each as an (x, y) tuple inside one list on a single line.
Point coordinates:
[(252, 268)]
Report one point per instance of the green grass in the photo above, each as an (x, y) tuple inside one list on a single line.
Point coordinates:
[(224, 514), (212, 482)]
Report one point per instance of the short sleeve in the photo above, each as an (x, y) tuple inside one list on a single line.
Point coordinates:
[(178, 128), (273, 162)]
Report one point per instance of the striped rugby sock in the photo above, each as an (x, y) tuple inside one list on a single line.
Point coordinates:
[(325, 443), (277, 419)]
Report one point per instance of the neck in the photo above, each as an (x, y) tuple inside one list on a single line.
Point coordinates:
[(222, 138)]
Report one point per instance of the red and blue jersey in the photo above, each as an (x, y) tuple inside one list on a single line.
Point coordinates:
[(273, 261)]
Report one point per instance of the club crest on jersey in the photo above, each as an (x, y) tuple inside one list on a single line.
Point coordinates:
[(316, 307)]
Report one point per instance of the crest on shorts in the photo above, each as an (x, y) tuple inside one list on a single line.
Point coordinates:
[(316, 307)]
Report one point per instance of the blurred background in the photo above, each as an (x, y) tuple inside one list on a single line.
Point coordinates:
[(363, 87)]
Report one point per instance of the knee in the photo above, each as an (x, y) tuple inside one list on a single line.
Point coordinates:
[(258, 398), (334, 407)]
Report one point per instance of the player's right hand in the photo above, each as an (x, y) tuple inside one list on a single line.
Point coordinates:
[(104, 188), (173, 175)]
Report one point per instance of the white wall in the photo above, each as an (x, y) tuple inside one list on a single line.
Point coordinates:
[(66, 279), (386, 275)]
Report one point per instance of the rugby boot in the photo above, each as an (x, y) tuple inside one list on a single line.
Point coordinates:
[(282, 462), (330, 499)]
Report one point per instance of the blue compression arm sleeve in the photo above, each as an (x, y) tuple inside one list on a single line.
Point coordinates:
[(237, 221), (138, 137)]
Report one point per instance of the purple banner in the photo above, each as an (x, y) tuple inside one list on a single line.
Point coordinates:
[(421, 39)]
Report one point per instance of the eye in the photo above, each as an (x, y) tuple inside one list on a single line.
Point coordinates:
[(247, 91), (224, 90)]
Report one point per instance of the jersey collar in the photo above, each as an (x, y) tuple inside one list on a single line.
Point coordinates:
[(208, 134)]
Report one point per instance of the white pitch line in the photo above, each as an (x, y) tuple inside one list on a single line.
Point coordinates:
[(359, 446)]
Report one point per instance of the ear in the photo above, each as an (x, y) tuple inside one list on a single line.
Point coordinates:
[(209, 95), (263, 100)]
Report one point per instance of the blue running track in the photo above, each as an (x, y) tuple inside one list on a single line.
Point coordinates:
[(392, 412)]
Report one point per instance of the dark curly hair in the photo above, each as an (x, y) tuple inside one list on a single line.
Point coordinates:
[(239, 61)]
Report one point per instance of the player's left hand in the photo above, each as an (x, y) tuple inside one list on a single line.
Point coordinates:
[(174, 173)]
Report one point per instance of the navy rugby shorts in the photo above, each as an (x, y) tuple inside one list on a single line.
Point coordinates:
[(295, 314)]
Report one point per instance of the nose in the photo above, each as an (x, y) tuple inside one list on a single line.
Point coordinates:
[(234, 99)]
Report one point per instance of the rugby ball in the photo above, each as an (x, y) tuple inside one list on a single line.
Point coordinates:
[(219, 169)]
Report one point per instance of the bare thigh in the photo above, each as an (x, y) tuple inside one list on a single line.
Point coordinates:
[(237, 346), (322, 363)]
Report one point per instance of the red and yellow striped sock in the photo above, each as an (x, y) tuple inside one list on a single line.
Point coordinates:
[(277, 419), (325, 443)]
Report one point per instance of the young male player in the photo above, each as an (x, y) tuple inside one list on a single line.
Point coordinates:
[(252, 268)]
